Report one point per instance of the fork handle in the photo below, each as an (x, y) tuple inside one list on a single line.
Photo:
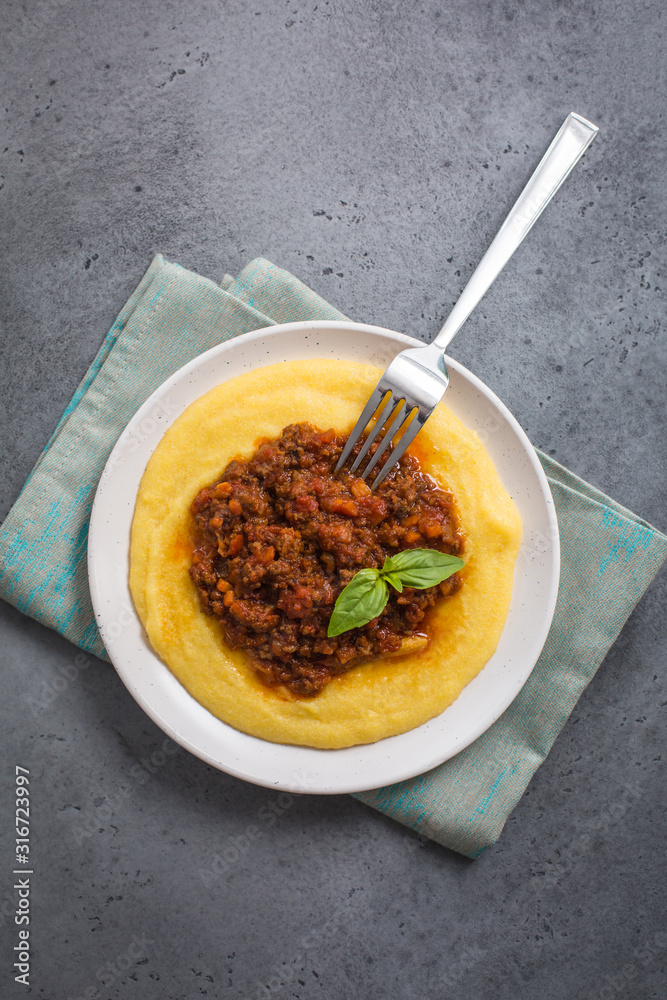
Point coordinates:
[(575, 136)]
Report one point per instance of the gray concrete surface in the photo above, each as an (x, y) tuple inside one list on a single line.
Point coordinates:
[(214, 132)]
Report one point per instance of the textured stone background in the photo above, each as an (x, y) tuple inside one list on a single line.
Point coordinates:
[(372, 148)]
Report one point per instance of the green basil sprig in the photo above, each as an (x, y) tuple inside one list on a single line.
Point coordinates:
[(367, 593)]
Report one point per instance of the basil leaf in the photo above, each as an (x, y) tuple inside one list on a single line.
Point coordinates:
[(392, 578), (364, 598), (367, 593), (422, 568)]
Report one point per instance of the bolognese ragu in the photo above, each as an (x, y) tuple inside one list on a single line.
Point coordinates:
[(279, 535)]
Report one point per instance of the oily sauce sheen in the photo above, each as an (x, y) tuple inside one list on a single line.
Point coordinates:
[(278, 536)]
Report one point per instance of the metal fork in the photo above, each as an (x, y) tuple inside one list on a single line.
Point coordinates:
[(416, 380)]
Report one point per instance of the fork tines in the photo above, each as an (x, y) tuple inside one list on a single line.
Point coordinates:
[(392, 413)]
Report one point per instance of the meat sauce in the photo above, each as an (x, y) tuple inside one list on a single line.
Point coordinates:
[(279, 536)]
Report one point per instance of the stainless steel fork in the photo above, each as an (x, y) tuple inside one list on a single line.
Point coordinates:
[(416, 380)]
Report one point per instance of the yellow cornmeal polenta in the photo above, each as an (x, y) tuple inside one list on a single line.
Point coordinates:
[(376, 699)]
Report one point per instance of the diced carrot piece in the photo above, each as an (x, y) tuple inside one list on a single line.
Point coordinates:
[(236, 545), (430, 528), (342, 506), (358, 488)]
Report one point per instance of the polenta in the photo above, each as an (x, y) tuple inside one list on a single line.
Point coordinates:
[(376, 699)]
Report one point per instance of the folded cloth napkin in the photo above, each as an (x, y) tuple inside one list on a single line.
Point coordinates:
[(609, 555)]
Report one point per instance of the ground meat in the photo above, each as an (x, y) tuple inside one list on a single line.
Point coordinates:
[(279, 536)]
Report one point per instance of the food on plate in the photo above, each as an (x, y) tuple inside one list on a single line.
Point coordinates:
[(280, 534), (382, 683)]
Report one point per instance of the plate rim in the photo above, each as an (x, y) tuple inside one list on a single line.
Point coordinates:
[(296, 785)]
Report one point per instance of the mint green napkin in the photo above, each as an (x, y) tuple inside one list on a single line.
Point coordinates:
[(609, 555)]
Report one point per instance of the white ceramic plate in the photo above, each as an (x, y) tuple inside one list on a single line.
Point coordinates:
[(303, 769)]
